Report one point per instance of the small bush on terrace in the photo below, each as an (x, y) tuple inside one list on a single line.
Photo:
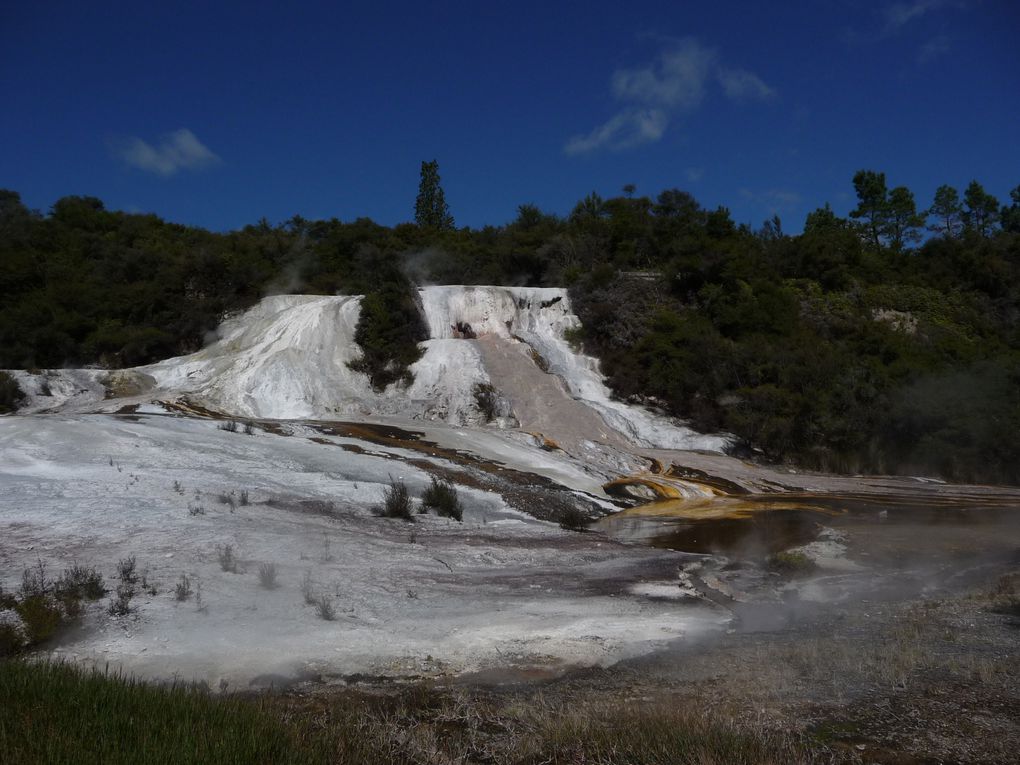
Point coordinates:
[(182, 590), (487, 400), (126, 570), (11, 394), (267, 576), (121, 605), (324, 608), (791, 563), (13, 635), (228, 561), (308, 589), (441, 496), (396, 502), (76, 584), (41, 607)]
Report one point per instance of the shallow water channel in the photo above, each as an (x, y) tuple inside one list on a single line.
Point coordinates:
[(756, 526)]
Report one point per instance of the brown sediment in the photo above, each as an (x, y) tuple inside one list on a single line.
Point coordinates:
[(693, 475), (184, 406), (654, 466), (661, 486), (531, 493), (746, 505), (716, 507), (126, 382), (545, 444)]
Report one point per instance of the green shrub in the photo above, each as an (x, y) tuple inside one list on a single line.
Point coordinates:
[(13, 636), (396, 502), (487, 400), (80, 583), (11, 394), (41, 607), (388, 332), (126, 570), (121, 605), (41, 615), (791, 562), (441, 496)]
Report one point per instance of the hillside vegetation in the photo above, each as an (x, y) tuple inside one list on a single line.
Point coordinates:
[(853, 346)]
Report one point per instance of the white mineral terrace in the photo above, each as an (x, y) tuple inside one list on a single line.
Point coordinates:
[(287, 358)]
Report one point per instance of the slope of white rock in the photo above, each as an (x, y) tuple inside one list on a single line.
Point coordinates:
[(540, 317), (288, 358)]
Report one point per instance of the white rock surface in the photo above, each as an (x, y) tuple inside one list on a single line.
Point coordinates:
[(96, 488), (288, 356)]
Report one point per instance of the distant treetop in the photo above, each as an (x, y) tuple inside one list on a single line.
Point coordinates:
[(430, 208)]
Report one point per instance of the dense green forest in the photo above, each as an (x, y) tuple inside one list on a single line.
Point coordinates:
[(888, 341)]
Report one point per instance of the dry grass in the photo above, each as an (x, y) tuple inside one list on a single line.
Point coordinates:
[(424, 725)]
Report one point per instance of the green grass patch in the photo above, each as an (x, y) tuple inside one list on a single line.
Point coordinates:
[(56, 713)]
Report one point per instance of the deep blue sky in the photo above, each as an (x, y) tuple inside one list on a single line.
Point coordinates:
[(217, 114)]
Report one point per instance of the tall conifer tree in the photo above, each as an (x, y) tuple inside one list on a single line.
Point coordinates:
[(430, 209)]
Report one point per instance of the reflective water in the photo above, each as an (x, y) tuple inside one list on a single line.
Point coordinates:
[(753, 526)]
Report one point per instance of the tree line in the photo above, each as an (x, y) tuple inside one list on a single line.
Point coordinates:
[(857, 345)]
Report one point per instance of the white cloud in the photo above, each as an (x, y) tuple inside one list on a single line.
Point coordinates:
[(179, 150), (932, 49), (894, 19), (675, 82), (773, 200), (900, 14), (626, 129), (677, 79), (741, 85), (694, 174)]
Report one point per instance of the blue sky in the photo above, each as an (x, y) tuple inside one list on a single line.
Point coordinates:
[(217, 114)]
